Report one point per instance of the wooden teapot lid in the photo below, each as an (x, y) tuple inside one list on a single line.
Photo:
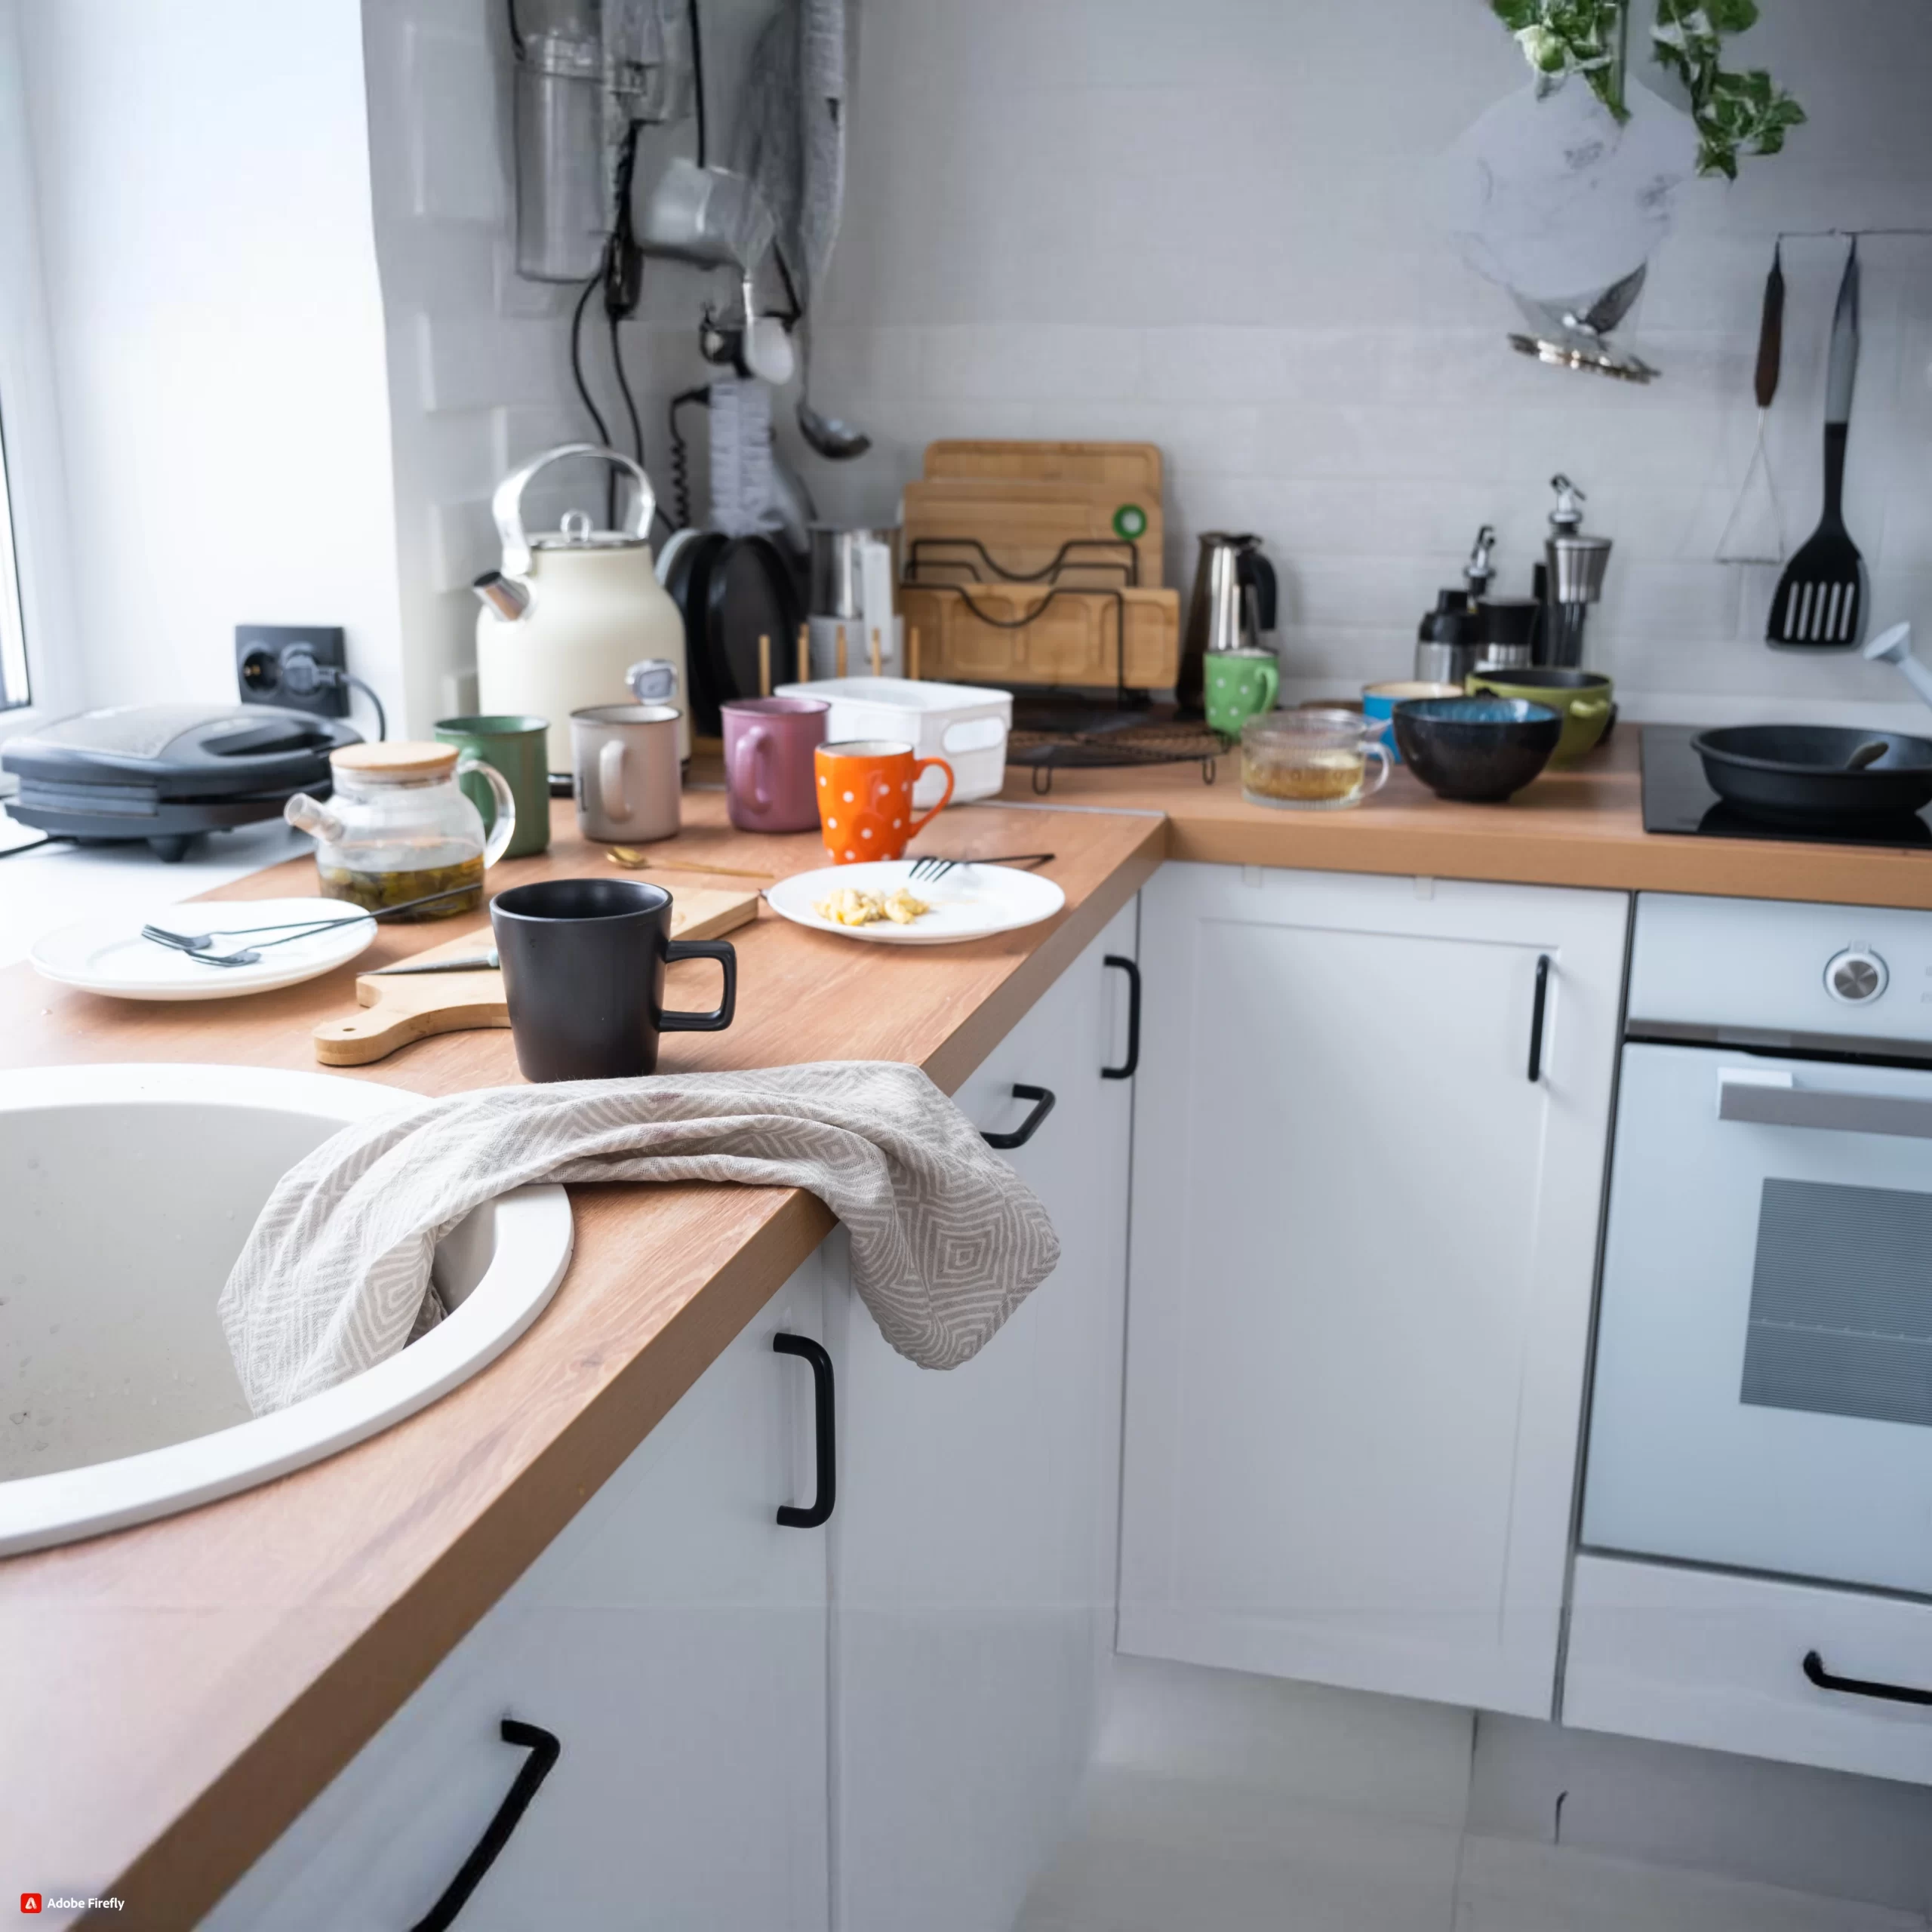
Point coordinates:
[(396, 758)]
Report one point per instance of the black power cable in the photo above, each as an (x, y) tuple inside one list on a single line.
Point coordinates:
[(697, 80), (681, 469), (577, 358), (630, 409), (623, 288)]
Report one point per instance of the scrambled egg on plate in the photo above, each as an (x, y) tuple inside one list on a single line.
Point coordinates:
[(848, 906)]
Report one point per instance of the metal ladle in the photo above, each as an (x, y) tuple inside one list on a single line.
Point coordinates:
[(828, 435)]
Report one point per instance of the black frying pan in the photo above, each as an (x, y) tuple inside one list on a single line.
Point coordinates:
[(1801, 775)]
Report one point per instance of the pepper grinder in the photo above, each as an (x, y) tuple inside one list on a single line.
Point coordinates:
[(1572, 576)]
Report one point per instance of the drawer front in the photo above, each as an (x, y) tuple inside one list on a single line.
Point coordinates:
[(1712, 1659)]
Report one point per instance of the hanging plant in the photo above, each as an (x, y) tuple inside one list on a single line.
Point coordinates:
[(1736, 112)]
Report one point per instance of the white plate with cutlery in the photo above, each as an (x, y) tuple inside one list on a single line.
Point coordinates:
[(967, 902), (111, 956)]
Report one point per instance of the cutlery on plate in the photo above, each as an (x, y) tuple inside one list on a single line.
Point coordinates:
[(201, 945), (930, 868), (245, 955)]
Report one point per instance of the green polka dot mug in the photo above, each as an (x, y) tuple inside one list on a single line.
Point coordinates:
[(1240, 684)]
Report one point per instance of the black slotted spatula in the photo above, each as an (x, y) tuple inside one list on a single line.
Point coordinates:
[(1819, 603)]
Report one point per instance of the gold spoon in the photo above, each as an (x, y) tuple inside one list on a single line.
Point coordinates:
[(633, 860)]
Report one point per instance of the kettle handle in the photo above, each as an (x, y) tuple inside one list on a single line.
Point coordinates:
[(506, 506), (1253, 567)]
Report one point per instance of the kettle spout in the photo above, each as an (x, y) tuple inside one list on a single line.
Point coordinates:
[(507, 596)]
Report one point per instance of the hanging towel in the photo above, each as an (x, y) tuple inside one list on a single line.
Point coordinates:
[(791, 132), (742, 487), (947, 1240)]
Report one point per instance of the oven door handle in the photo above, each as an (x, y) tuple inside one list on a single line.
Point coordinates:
[(1766, 1099)]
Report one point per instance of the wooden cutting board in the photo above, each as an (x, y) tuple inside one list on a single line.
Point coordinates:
[(1024, 525), (1134, 468), (400, 1007), (1073, 638)]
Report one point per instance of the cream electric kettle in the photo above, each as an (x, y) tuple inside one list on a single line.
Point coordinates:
[(570, 611)]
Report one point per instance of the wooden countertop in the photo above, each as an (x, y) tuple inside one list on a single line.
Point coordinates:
[(173, 1694), (1582, 827)]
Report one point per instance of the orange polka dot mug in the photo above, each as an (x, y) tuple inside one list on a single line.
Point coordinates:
[(865, 797)]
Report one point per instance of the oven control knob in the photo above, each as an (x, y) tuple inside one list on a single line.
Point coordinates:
[(1855, 976)]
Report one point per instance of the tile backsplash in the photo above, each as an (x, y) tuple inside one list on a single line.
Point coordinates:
[(1213, 230)]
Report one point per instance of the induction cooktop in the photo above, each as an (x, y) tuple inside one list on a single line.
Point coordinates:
[(1678, 798)]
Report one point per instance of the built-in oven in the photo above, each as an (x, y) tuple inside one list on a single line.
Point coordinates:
[(1762, 1393)]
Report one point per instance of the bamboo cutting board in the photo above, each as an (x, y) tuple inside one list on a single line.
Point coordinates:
[(1134, 468), (400, 1008), (1072, 638), (1024, 524)]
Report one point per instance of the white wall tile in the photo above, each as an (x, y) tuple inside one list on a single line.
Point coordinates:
[(459, 173), (1033, 184)]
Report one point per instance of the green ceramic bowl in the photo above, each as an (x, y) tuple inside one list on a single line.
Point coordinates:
[(1582, 698)]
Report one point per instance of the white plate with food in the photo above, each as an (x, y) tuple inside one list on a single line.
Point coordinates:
[(110, 956), (881, 902)]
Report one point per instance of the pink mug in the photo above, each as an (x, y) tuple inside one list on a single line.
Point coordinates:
[(768, 746)]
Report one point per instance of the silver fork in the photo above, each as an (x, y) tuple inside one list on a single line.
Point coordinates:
[(246, 957), (201, 945), (928, 870)]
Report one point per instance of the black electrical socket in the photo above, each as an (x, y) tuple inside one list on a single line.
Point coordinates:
[(278, 664)]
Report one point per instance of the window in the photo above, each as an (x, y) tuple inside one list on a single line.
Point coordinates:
[(13, 690), (40, 671)]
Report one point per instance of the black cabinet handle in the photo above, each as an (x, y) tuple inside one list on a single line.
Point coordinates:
[(1126, 1069), (545, 1749), (789, 1514), (1858, 1686), (1043, 1105), (1536, 1018)]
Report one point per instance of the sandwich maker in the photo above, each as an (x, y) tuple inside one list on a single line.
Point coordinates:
[(167, 772)]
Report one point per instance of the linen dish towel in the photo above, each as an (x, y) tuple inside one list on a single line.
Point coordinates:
[(947, 1240)]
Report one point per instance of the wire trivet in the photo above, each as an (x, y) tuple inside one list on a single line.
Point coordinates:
[(1161, 743)]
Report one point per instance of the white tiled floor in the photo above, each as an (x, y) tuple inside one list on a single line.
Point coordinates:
[(1507, 1885), (1156, 1855), (1220, 1802)]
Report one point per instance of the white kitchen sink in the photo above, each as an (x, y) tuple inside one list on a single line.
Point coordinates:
[(126, 1193)]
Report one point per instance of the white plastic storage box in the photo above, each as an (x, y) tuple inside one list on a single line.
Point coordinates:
[(965, 724)]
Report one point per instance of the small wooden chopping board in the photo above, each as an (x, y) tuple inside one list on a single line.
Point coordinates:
[(400, 1007)]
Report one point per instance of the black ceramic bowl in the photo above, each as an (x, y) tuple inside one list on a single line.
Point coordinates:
[(1478, 749)]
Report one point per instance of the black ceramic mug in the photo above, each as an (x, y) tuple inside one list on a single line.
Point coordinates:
[(583, 964)]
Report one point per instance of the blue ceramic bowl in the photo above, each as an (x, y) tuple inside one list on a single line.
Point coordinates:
[(1480, 750)]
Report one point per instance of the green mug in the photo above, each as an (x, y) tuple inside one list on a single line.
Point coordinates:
[(1240, 684), (515, 745)]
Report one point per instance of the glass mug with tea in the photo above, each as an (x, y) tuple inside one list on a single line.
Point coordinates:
[(1311, 761)]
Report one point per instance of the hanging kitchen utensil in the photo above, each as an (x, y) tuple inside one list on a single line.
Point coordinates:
[(1819, 602), (1756, 533)]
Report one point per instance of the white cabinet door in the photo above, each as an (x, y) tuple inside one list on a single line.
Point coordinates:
[(673, 1641), (974, 1544), (1363, 1241)]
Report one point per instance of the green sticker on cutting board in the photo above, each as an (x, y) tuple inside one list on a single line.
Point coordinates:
[(1129, 522)]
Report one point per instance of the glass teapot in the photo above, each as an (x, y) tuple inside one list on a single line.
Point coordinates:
[(398, 829)]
